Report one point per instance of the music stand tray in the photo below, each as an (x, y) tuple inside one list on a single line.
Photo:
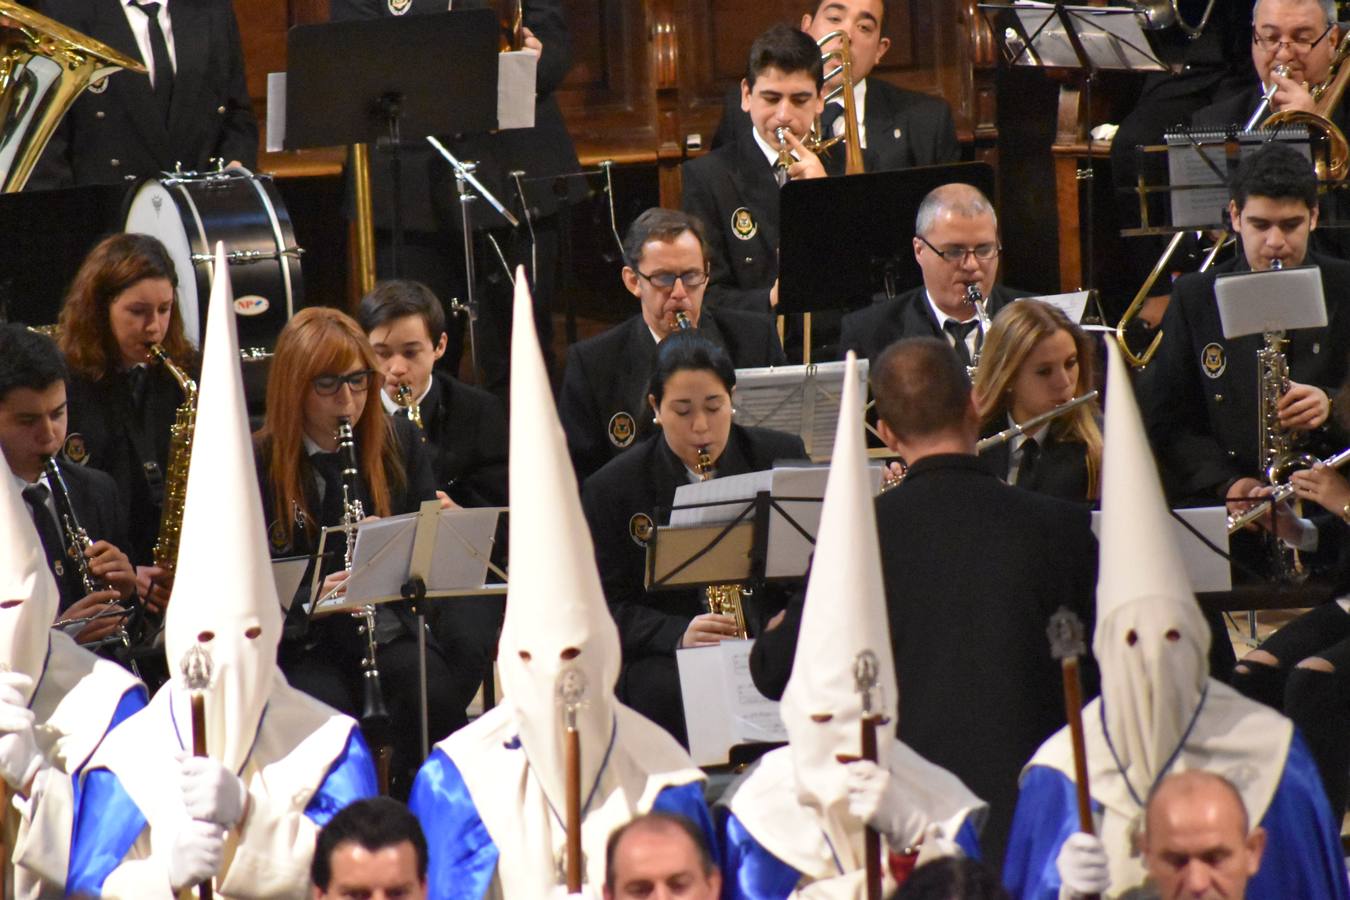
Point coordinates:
[(863, 227)]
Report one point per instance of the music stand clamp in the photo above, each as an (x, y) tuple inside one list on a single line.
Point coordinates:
[(340, 88)]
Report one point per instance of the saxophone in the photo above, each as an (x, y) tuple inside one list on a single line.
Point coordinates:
[(1278, 450), (682, 321), (404, 398), (175, 480), (723, 599)]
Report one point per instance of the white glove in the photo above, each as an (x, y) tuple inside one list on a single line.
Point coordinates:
[(1082, 865), (875, 798), (211, 792), (198, 849), (20, 758)]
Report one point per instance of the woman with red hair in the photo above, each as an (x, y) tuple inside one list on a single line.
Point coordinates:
[(324, 371)]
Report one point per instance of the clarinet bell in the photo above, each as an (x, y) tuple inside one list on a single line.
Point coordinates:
[(374, 714)]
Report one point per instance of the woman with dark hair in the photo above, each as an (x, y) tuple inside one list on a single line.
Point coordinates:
[(690, 395), (323, 372), (123, 403), (1033, 360), (952, 878)]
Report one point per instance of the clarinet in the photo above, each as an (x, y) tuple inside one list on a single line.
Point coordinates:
[(77, 542), (374, 715)]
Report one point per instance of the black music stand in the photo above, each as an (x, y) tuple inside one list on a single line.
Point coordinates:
[(846, 240), (341, 87)]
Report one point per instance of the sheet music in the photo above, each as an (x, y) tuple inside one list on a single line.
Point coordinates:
[(516, 72), (722, 706), (1072, 304), (1189, 166), (801, 400), (1111, 37)]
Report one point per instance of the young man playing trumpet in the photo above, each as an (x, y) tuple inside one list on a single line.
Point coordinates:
[(734, 189), (32, 431)]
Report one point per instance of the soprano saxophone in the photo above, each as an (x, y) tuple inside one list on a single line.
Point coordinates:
[(723, 599), (976, 299), (180, 453), (403, 396)]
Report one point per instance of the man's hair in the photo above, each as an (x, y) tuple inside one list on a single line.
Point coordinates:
[(952, 878), (373, 824), (1200, 775), (658, 821), (391, 300), (1328, 10), (1277, 171), (921, 387), (665, 225), (881, 19), (960, 199), (787, 49), (28, 360)]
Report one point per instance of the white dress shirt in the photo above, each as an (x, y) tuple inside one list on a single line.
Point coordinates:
[(140, 28)]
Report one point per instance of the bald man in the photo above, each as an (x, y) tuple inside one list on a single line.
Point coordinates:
[(1196, 841), (660, 855)]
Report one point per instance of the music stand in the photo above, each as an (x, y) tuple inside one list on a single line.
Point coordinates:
[(342, 89), (801, 400), (864, 226)]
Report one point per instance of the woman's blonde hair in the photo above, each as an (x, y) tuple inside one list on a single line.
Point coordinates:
[(1016, 331)]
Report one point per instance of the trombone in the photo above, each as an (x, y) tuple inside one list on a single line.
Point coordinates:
[(852, 137)]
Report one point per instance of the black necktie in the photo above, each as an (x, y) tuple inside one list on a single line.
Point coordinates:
[(960, 331), (1030, 451), (832, 114), (159, 53), (138, 378), (35, 495), (329, 467)]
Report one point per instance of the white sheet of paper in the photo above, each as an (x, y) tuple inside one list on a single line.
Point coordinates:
[(1208, 571), (516, 74), (276, 111), (286, 574), (1072, 304), (1284, 300), (722, 707)]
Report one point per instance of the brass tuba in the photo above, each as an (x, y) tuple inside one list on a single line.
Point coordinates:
[(43, 68)]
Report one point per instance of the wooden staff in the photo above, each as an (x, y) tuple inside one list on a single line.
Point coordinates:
[(1067, 645), (196, 666), (866, 676), (571, 691)]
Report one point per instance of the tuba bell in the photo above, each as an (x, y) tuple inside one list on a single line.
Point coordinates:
[(44, 66)]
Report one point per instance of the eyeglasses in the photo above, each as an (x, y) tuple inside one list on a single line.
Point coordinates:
[(1273, 45), (957, 255), (328, 385), (666, 280)]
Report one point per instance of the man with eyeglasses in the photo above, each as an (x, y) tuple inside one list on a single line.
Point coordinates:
[(604, 387), (956, 244)]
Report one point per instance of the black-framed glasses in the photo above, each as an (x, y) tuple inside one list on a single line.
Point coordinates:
[(666, 280), (1273, 45), (358, 382), (957, 255)]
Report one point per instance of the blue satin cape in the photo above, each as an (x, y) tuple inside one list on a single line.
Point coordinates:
[(1303, 848), (463, 855), (749, 872), (107, 820)]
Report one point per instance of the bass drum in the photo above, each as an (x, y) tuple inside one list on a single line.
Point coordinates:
[(189, 212)]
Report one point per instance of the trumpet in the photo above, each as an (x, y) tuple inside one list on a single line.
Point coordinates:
[(404, 398), (1281, 492), (785, 157), (723, 599)]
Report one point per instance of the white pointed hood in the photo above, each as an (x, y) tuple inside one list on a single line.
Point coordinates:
[(1151, 640), (844, 617), (224, 598), (556, 622), (28, 594)]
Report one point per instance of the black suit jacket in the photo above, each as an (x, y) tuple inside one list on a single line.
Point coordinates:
[(869, 331), (1060, 469), (1202, 419), (604, 386), (118, 133), (643, 482), (723, 188), (973, 571), (103, 432), (466, 439), (430, 201), (904, 128), (98, 510)]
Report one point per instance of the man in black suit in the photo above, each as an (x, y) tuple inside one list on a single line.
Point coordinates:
[(956, 243), (433, 248), (973, 569), (604, 390), (734, 189), (1199, 395), (32, 429), (899, 128), (193, 107)]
